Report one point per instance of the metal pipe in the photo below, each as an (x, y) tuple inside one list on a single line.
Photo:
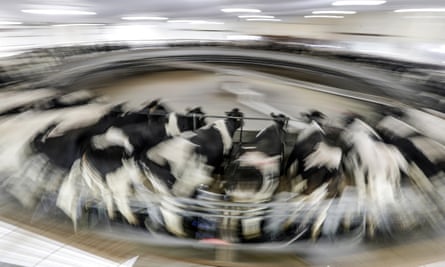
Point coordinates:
[(226, 117)]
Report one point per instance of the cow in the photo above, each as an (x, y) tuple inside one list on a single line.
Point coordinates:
[(313, 156), (14, 102), (110, 164), (422, 153), (49, 102), (208, 146), (25, 162), (256, 171), (76, 140), (179, 166), (82, 139), (253, 177), (376, 168), (47, 156), (314, 169), (425, 158)]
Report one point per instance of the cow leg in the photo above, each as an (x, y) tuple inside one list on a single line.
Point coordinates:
[(316, 228), (292, 169), (68, 198), (119, 184), (95, 183), (27, 184), (196, 173), (173, 221)]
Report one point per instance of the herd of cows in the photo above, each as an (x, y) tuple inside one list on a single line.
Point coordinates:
[(181, 174)]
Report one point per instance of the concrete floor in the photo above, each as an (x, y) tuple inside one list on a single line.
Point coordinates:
[(183, 89)]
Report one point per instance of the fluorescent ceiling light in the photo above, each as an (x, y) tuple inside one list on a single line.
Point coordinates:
[(208, 22), (420, 10), (77, 24), (240, 10), (57, 12), (424, 17), (324, 16), (358, 3), (194, 21), (260, 19), (181, 21), (333, 12), (144, 18), (10, 23), (255, 17)]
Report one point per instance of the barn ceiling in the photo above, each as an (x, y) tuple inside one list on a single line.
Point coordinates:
[(112, 11)]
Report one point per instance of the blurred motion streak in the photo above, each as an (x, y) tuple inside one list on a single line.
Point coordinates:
[(213, 125)]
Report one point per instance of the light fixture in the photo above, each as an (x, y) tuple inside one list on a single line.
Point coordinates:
[(186, 21), (261, 19), (10, 22), (324, 16), (57, 12), (420, 10), (240, 10), (77, 24), (256, 17), (358, 3), (424, 17), (144, 18), (333, 12), (208, 22), (181, 21)]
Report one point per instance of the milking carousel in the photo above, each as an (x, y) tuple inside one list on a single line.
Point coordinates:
[(248, 149)]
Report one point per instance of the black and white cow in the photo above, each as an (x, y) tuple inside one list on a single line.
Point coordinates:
[(207, 148), (425, 158), (376, 168), (253, 177), (33, 167), (58, 101), (314, 169), (255, 172), (313, 156), (421, 152), (15, 102), (179, 166), (74, 141), (47, 156), (110, 165), (79, 140)]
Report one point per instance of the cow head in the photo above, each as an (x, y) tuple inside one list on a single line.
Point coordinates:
[(314, 115), (115, 111), (198, 120), (349, 118), (395, 112), (235, 116), (281, 120), (152, 105), (156, 111)]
